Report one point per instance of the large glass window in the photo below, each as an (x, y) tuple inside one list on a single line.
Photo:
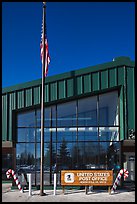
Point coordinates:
[(81, 134)]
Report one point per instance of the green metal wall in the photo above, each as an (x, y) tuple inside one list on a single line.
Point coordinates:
[(92, 80)]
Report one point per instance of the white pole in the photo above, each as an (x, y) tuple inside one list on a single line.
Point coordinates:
[(55, 176), (29, 184)]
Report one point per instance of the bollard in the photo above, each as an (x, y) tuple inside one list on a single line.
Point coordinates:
[(29, 178), (90, 188), (86, 190), (55, 178)]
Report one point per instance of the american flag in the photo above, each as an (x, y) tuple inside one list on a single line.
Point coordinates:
[(47, 57)]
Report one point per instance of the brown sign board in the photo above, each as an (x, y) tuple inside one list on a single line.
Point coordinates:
[(87, 177)]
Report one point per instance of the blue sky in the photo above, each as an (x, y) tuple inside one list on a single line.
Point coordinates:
[(80, 34)]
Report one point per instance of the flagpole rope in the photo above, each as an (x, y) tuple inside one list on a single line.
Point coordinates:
[(117, 180), (10, 171)]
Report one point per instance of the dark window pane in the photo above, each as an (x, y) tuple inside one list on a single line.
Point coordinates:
[(68, 134), (87, 111), (109, 133), (38, 156), (108, 109), (88, 134), (63, 155), (50, 117), (113, 156), (47, 156), (47, 133), (91, 155), (53, 135), (25, 157), (26, 119), (26, 134), (7, 163), (66, 114), (53, 110)]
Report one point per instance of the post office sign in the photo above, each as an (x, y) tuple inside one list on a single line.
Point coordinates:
[(87, 177)]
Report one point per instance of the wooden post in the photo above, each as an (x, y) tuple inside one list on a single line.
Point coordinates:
[(109, 190), (63, 187)]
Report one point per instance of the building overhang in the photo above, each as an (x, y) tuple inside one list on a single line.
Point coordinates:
[(128, 146), (129, 143), (7, 144)]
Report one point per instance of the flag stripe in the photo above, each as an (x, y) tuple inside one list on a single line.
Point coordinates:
[(47, 56)]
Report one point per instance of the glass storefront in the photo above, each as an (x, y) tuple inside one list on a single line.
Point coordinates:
[(81, 134)]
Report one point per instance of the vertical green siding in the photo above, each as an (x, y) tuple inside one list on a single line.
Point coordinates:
[(12, 106), (104, 79), (79, 85), (36, 95), (61, 89), (12, 101), (28, 93), (53, 91), (4, 117), (20, 99), (47, 93), (112, 77), (130, 98), (121, 116), (121, 75), (70, 87), (95, 81), (87, 83)]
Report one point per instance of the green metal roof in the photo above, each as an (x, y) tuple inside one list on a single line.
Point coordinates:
[(119, 61)]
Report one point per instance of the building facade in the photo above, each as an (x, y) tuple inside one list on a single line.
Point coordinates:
[(89, 122)]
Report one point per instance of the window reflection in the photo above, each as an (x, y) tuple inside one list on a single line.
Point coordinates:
[(68, 135), (66, 114), (26, 119), (25, 157), (109, 133), (108, 109), (79, 140), (47, 115), (26, 134), (89, 134), (87, 111)]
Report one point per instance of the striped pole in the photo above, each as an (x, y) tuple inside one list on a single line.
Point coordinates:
[(122, 171), (10, 171)]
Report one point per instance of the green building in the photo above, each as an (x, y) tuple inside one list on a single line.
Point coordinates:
[(89, 122)]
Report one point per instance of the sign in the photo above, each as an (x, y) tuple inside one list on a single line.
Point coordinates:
[(87, 177)]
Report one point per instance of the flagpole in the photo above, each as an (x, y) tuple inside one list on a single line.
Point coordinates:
[(42, 107)]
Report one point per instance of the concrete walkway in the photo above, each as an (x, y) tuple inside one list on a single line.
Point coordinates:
[(9, 195)]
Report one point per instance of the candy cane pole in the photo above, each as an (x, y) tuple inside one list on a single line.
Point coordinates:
[(10, 171), (122, 171)]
